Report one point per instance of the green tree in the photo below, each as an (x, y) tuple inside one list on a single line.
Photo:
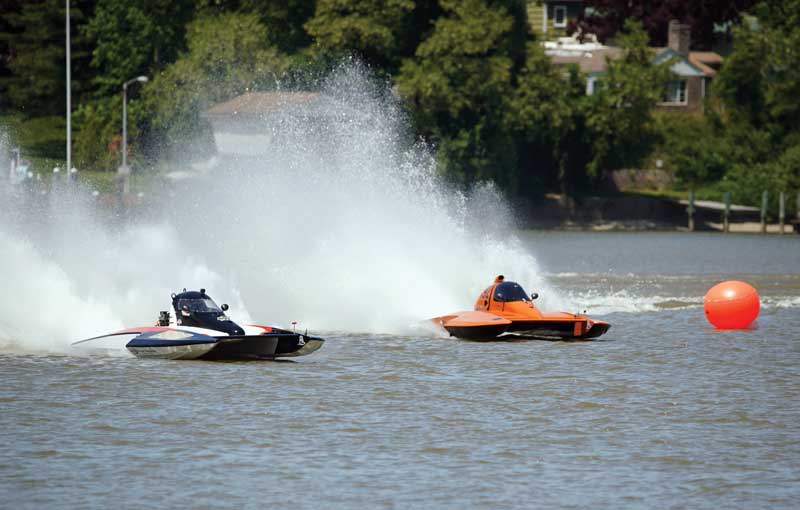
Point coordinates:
[(135, 38), (33, 71), (35, 55), (459, 85), (756, 112), (285, 20), (371, 28), (748, 181), (227, 55), (8, 32), (619, 112), (547, 112), (759, 84), (691, 147), (98, 136)]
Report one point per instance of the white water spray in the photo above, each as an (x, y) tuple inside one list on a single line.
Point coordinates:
[(343, 227)]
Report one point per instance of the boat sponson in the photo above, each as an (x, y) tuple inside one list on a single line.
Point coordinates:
[(564, 329), (477, 332), (307, 346), (244, 347)]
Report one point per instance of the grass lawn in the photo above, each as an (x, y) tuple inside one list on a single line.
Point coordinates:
[(106, 182)]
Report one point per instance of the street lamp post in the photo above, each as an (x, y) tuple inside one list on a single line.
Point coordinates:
[(124, 171), (69, 97)]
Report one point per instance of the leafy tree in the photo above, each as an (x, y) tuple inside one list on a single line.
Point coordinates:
[(691, 147), (370, 28), (99, 133), (135, 38), (34, 37), (778, 14), (755, 98), (607, 17), (227, 56), (748, 181), (285, 20), (547, 113), (8, 32), (459, 86), (618, 118), (759, 84)]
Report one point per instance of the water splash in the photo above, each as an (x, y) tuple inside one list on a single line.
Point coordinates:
[(344, 225)]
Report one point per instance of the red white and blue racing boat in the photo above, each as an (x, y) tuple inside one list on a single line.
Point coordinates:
[(199, 329)]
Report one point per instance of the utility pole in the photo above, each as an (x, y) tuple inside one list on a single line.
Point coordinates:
[(69, 100)]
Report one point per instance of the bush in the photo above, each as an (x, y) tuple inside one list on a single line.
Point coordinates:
[(98, 124), (691, 148), (781, 174)]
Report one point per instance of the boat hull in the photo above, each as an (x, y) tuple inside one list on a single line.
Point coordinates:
[(185, 351), (563, 330), (267, 346), (197, 343), (553, 329)]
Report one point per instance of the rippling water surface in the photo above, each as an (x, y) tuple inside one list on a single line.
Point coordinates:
[(662, 412)]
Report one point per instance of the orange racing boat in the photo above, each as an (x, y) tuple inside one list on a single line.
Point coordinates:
[(504, 309)]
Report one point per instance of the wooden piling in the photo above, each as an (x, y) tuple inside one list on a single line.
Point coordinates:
[(764, 198), (726, 200), (781, 211), (690, 210)]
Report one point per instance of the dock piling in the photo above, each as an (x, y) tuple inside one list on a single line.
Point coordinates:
[(781, 211), (726, 197), (690, 210), (764, 198)]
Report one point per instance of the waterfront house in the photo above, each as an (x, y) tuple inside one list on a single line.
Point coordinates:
[(246, 125), (692, 71)]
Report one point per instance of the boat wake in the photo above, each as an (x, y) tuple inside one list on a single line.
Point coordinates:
[(346, 229)]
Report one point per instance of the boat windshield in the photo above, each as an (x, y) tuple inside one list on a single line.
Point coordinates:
[(507, 292), (203, 305)]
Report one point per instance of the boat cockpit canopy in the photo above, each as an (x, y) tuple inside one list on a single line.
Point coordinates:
[(197, 302), (506, 292), (202, 305)]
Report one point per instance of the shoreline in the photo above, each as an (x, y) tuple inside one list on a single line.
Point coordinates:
[(637, 213), (633, 226)]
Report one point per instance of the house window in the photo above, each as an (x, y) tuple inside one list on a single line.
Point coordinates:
[(560, 16), (675, 92)]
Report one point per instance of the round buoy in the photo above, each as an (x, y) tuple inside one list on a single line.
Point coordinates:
[(731, 305)]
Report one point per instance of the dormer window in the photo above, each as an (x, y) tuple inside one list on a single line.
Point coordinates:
[(560, 16)]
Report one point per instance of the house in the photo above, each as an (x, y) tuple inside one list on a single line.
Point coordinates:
[(549, 18), (692, 70), (589, 56), (250, 124)]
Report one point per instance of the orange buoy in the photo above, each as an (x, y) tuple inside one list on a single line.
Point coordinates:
[(731, 305)]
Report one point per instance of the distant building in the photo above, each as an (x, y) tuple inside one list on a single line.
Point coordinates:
[(692, 70), (549, 18), (244, 126)]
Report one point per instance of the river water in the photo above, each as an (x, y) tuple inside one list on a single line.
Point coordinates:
[(662, 412)]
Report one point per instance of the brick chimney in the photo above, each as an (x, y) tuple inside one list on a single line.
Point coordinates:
[(679, 37)]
